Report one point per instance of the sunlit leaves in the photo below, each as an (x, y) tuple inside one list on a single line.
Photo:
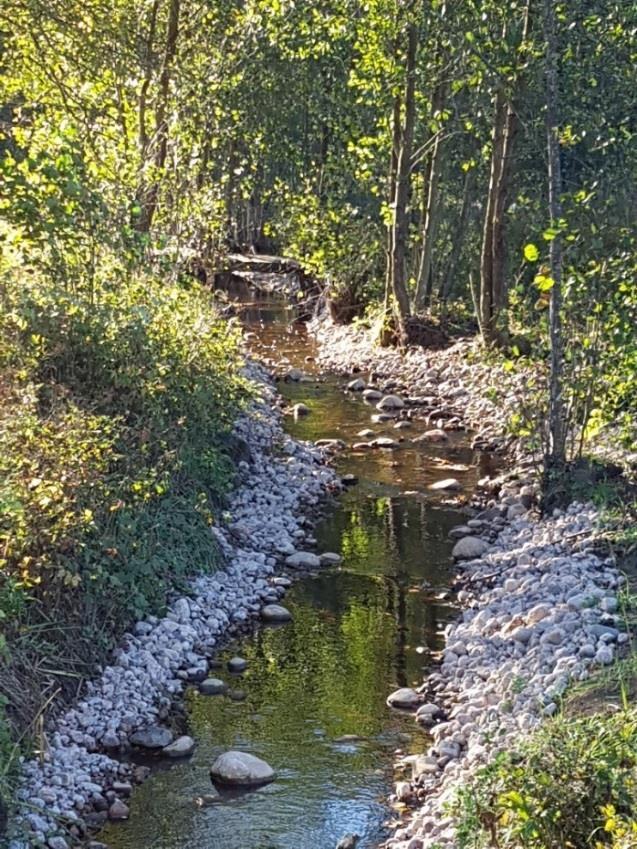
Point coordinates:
[(531, 253)]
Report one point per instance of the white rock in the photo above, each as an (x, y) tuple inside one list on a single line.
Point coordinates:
[(182, 747), (448, 484), (303, 560), (405, 698), (241, 768), (390, 402), (330, 558)]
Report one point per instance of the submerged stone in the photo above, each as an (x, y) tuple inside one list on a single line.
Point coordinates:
[(212, 687), (154, 737), (275, 613), (447, 484)]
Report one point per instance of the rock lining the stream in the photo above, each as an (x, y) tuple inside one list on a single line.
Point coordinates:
[(529, 627), (278, 491), (153, 737), (450, 388), (540, 613)]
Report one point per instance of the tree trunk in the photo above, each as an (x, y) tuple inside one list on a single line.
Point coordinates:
[(149, 194), (493, 255), (400, 221), (432, 211), (459, 234), (555, 456), (391, 193), (143, 93)]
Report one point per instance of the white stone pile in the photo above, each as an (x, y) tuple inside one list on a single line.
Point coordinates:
[(541, 611), (267, 520)]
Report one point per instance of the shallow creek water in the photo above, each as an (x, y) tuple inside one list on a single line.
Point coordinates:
[(359, 632)]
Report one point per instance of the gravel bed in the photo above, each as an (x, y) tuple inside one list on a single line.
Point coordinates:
[(541, 605), (449, 384)]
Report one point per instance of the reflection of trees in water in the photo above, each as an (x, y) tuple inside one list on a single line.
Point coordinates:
[(397, 538), (330, 666)]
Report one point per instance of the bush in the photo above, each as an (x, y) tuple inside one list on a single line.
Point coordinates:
[(116, 408), (573, 786), (336, 243)]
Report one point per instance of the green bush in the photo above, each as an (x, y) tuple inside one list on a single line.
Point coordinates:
[(573, 786), (116, 408)]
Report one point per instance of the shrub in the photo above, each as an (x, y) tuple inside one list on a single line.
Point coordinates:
[(116, 408), (573, 786)]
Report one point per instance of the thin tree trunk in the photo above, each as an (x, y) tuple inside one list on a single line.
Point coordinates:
[(432, 211), (143, 94), (150, 195), (459, 233), (498, 252), (403, 180), (485, 300), (493, 255), (555, 457), (391, 192)]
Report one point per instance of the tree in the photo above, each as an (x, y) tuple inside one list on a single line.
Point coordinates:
[(556, 444), (401, 183), (492, 296)]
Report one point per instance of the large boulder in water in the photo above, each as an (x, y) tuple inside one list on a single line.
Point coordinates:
[(241, 769)]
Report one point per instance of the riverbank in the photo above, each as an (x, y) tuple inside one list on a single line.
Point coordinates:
[(79, 781), (541, 611)]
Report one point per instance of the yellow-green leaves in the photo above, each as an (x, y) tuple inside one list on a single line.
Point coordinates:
[(531, 253)]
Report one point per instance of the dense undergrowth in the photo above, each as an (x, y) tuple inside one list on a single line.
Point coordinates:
[(572, 786), (117, 403)]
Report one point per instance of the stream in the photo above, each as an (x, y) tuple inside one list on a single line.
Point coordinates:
[(313, 701)]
